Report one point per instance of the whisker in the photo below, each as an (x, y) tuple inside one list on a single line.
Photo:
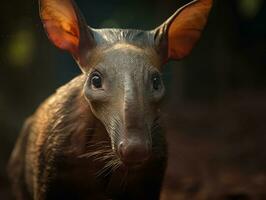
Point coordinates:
[(105, 171)]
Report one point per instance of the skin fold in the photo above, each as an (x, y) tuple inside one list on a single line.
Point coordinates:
[(99, 136)]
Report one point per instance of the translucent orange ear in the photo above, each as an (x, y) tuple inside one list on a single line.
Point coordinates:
[(61, 23), (184, 28)]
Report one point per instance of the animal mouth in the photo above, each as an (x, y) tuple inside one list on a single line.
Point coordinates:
[(133, 165)]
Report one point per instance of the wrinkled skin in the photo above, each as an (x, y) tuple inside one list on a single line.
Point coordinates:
[(127, 104), (99, 136)]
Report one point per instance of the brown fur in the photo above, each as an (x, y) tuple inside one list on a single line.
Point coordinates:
[(103, 140), (48, 155)]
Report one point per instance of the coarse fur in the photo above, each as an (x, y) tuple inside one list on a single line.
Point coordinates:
[(72, 153), (99, 136)]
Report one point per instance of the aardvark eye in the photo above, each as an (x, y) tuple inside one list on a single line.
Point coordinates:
[(96, 80), (156, 81)]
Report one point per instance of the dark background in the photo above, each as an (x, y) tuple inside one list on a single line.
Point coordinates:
[(215, 108)]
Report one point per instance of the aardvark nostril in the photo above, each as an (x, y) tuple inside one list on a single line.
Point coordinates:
[(133, 153)]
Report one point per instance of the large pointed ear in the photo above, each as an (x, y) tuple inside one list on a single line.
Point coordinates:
[(176, 37), (66, 27)]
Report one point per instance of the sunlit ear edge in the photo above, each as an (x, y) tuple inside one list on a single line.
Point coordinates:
[(163, 37), (63, 33)]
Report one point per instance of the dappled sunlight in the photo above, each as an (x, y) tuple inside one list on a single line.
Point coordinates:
[(21, 48), (249, 8)]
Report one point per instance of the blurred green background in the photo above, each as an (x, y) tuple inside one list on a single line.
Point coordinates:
[(216, 97)]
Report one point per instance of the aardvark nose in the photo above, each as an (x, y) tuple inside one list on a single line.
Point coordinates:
[(133, 152)]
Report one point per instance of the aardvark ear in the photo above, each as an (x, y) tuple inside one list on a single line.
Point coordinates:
[(176, 37), (66, 27)]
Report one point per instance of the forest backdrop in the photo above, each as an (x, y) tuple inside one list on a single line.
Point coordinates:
[(215, 108)]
